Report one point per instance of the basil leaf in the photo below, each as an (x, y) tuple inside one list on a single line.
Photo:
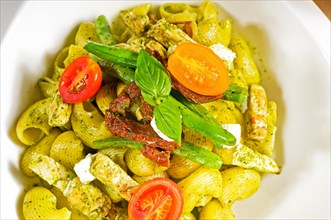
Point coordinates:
[(152, 78), (168, 120)]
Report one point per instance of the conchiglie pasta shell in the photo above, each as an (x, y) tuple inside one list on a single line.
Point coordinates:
[(67, 150), (33, 123), (204, 181), (42, 147), (40, 203), (141, 165), (238, 184)]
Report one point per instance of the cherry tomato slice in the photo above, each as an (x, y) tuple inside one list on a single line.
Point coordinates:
[(199, 69), (158, 199), (80, 80)]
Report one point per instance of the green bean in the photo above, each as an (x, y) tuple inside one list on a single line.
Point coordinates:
[(188, 150), (125, 74), (113, 54), (235, 94), (200, 155), (196, 108), (103, 30), (116, 142), (209, 129)]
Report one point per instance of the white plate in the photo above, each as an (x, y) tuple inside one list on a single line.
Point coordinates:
[(293, 39)]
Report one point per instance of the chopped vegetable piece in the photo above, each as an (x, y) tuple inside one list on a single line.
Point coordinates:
[(248, 158), (109, 173), (199, 69), (80, 80), (158, 198)]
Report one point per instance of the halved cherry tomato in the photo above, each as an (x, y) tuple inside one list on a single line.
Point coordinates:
[(199, 69), (80, 80), (158, 199)]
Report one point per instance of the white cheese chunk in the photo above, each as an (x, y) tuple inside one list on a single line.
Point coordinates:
[(161, 135), (82, 169), (234, 129), (224, 53)]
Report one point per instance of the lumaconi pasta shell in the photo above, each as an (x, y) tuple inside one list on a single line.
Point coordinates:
[(105, 95), (141, 165), (86, 31), (59, 63), (187, 216), (238, 184), (43, 147), (40, 203), (141, 179), (204, 181), (244, 61), (203, 200), (47, 86), (33, 123), (178, 12), (181, 167), (88, 123), (67, 149), (225, 154), (225, 31), (225, 112), (215, 210), (74, 52), (62, 202)]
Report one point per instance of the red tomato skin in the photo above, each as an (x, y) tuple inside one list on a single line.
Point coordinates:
[(80, 80), (145, 192)]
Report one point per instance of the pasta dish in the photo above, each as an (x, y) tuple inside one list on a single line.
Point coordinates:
[(159, 114)]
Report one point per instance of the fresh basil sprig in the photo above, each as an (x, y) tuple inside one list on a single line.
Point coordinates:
[(168, 120), (152, 78), (155, 84)]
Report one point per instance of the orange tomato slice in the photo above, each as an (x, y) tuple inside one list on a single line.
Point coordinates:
[(199, 69)]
